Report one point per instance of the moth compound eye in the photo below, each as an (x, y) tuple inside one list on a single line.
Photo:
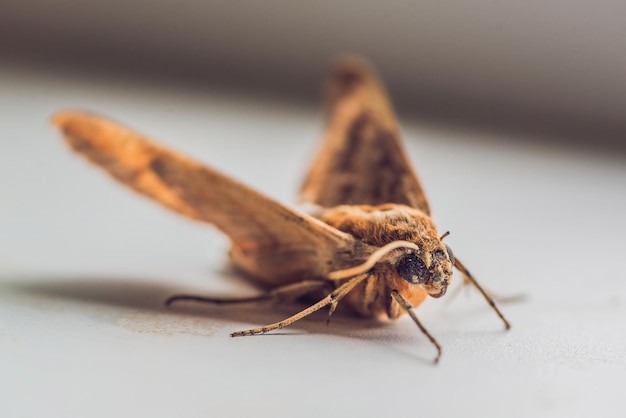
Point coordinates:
[(412, 269), (450, 254)]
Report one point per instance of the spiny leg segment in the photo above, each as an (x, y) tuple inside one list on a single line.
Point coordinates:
[(406, 305), (467, 277), (332, 299)]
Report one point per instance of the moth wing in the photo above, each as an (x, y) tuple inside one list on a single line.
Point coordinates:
[(270, 241), (361, 160)]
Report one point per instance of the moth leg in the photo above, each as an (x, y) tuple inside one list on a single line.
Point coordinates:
[(406, 305), (497, 298), (288, 292), (333, 298), (331, 310), (369, 296), (467, 277)]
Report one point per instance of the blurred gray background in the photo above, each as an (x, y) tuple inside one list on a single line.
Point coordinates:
[(552, 68)]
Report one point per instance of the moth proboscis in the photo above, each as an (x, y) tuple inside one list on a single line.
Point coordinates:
[(370, 244)]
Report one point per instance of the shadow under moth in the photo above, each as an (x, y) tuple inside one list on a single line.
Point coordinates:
[(369, 241)]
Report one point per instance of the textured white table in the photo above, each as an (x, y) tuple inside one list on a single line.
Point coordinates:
[(85, 266)]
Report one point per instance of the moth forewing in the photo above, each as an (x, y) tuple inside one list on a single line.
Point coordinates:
[(274, 244), (361, 160)]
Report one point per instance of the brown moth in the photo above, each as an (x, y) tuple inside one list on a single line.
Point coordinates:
[(369, 242)]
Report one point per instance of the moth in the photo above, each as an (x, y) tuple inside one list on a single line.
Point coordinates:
[(369, 242)]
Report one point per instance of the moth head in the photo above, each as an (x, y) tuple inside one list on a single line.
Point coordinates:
[(430, 267)]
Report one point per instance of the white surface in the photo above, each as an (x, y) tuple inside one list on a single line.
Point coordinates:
[(85, 266)]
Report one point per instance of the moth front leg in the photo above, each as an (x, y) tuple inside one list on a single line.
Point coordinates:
[(331, 299), (406, 306), (287, 292), (467, 277)]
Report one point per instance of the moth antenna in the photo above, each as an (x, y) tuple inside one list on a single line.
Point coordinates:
[(371, 260), (445, 234)]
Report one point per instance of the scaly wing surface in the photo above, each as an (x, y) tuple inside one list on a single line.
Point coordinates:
[(270, 241), (361, 160)]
